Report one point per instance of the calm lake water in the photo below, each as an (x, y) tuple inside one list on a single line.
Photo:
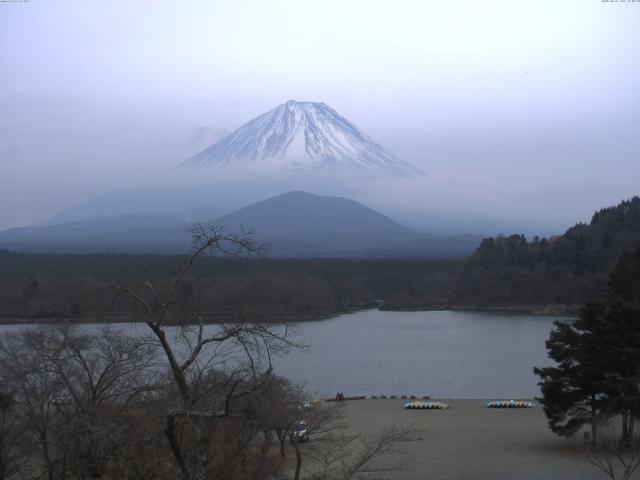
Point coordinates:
[(443, 354)]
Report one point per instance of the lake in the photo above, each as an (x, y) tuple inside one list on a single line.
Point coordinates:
[(445, 354)]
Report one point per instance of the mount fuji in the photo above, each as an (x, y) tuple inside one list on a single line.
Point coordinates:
[(302, 137)]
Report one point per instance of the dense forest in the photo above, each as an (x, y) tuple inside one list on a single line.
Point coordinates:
[(507, 272), (82, 286), (567, 269)]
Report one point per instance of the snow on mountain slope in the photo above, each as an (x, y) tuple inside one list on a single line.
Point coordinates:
[(302, 136)]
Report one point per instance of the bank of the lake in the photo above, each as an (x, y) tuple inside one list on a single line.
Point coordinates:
[(470, 441), (544, 309), (541, 310)]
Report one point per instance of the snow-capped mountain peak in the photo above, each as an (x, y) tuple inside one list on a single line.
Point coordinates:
[(302, 136)]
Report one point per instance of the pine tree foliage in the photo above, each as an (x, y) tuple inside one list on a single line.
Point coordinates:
[(567, 269), (597, 356)]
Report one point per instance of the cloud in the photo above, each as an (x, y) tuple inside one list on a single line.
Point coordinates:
[(205, 134)]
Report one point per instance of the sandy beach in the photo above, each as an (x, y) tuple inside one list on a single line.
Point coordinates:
[(470, 441)]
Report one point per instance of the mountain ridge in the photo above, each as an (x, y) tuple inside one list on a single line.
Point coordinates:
[(311, 204), (294, 224)]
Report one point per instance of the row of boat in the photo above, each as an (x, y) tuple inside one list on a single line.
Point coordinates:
[(443, 406), (510, 404), (426, 406)]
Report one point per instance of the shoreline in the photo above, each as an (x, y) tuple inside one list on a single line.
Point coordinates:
[(542, 310), (227, 318)]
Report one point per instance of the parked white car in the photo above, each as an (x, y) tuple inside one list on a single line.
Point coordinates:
[(299, 432)]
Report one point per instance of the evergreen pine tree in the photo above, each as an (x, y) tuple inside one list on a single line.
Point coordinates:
[(597, 356)]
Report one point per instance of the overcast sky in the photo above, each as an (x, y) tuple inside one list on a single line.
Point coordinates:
[(527, 111)]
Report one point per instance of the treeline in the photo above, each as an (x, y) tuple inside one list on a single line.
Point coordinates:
[(49, 287)]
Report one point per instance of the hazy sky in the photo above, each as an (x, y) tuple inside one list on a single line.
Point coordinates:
[(527, 111)]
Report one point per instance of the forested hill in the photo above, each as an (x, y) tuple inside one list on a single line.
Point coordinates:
[(593, 247), (563, 269)]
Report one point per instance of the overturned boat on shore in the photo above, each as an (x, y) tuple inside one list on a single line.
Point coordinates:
[(426, 405), (510, 404)]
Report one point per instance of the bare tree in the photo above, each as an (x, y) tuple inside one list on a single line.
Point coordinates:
[(211, 369), (69, 393), (333, 454), (615, 458), (11, 458), (37, 392), (343, 457), (104, 375), (187, 400), (281, 407)]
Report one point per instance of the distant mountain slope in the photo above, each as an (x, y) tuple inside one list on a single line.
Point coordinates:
[(302, 136), (127, 233), (301, 213), (295, 224), (186, 204), (299, 223)]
